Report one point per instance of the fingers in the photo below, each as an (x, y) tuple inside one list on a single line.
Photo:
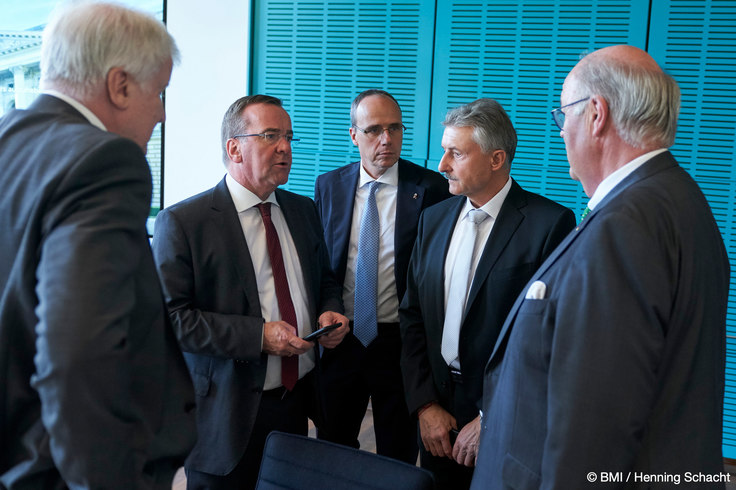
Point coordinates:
[(434, 425), (280, 339), (333, 339)]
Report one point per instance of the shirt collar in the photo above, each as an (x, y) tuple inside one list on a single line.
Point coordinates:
[(390, 176), (89, 115), (610, 182), (492, 207), (242, 197)]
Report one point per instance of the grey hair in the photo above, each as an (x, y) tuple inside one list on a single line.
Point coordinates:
[(83, 41), (366, 93), (492, 127), (233, 122), (644, 104)]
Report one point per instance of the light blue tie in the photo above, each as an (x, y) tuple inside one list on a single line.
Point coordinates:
[(460, 282), (366, 271)]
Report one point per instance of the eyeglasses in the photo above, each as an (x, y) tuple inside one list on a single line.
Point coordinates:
[(559, 117), (376, 131), (272, 137)]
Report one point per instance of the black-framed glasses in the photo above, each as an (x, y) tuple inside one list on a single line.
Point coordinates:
[(376, 131), (559, 117), (272, 137)]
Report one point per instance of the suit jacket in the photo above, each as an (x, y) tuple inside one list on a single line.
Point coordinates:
[(212, 294), (334, 194), (619, 367), (94, 389), (527, 230)]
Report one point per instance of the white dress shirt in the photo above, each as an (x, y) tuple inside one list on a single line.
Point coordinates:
[(388, 301), (94, 120), (610, 182), (255, 236), (492, 208)]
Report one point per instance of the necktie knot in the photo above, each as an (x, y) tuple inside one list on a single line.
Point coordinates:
[(265, 209), (373, 187), (477, 216)]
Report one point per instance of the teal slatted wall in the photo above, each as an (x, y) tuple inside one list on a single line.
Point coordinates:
[(695, 41), (318, 55), (519, 52)]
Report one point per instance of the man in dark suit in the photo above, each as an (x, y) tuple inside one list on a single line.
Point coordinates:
[(246, 275), (613, 358), (366, 365), (95, 393), (473, 255)]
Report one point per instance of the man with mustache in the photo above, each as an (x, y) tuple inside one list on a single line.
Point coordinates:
[(473, 255)]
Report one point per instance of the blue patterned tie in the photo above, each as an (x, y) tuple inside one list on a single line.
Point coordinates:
[(366, 271)]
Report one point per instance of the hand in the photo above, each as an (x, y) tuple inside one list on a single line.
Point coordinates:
[(434, 425), (465, 450), (332, 339), (280, 339)]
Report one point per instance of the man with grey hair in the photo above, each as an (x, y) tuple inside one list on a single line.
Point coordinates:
[(246, 278), (473, 255), (95, 390), (611, 363)]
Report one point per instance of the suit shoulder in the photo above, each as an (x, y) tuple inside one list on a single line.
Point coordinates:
[(442, 208), (336, 173), (287, 197), (427, 175), (542, 203), (191, 204)]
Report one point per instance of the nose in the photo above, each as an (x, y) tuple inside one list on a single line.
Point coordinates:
[(443, 166), (283, 145), (386, 136)]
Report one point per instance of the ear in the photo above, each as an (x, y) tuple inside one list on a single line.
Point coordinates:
[(498, 159), (232, 146), (598, 115), (117, 83), (353, 135)]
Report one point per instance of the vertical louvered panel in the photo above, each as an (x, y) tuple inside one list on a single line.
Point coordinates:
[(318, 55), (695, 40), (519, 52)]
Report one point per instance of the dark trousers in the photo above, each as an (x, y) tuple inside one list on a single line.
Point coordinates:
[(351, 374), (447, 473), (279, 410)]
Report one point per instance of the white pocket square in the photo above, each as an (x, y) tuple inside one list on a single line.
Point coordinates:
[(537, 290)]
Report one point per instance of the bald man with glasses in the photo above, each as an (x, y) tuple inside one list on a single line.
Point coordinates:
[(369, 211), (246, 277)]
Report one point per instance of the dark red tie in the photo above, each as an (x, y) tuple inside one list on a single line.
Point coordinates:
[(289, 365)]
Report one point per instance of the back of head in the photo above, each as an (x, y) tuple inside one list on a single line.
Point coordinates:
[(233, 122), (644, 102), (83, 41), (492, 127)]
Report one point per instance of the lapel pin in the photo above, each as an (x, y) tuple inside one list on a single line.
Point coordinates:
[(414, 196)]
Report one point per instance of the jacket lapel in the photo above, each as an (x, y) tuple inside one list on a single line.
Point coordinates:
[(444, 236), (656, 164), (342, 202), (295, 222), (509, 219), (226, 217)]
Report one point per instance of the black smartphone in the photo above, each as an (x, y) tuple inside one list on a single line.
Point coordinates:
[(319, 333)]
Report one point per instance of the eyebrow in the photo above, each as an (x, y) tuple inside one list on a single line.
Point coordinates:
[(275, 130)]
